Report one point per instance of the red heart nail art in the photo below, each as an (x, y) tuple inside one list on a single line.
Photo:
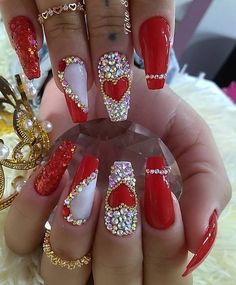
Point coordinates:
[(121, 194), (116, 90)]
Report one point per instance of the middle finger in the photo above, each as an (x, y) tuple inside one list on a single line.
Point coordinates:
[(111, 50), (68, 46)]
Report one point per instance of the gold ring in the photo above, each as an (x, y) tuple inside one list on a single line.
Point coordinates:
[(57, 10), (58, 261)]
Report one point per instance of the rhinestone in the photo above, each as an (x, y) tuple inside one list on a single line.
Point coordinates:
[(109, 227), (115, 221), (120, 232)]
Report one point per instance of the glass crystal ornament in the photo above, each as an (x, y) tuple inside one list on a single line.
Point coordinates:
[(120, 141)]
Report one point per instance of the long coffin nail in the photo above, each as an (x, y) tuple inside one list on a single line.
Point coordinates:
[(78, 204), (154, 39), (115, 78), (51, 174), (24, 40), (204, 249), (121, 200), (73, 78), (158, 201)]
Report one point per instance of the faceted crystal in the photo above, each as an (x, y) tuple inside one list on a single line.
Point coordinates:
[(120, 141)]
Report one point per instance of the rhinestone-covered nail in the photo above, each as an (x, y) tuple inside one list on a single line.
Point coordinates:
[(121, 200), (115, 78)]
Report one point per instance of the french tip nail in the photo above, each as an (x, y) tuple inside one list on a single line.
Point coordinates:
[(155, 84)]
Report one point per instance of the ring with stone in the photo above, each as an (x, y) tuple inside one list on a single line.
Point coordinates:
[(58, 261), (57, 10)]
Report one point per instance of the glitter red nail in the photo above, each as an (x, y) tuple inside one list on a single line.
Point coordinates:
[(50, 175), (24, 40)]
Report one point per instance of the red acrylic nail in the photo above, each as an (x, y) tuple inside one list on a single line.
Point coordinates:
[(158, 201), (204, 249), (50, 175), (154, 39), (24, 41)]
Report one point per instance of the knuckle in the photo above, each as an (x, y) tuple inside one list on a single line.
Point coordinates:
[(67, 25), (101, 24)]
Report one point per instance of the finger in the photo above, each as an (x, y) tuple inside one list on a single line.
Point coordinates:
[(111, 51), (165, 251), (73, 227), (68, 47), (206, 187), (153, 32), (32, 207), (25, 33), (117, 252)]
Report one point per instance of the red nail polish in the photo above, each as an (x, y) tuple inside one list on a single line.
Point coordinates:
[(50, 175), (78, 204), (204, 249), (154, 39), (73, 78), (24, 40), (158, 201)]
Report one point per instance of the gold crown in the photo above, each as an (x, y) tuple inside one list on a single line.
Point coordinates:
[(33, 138)]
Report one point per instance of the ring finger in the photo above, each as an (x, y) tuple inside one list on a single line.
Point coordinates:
[(67, 41), (66, 256), (112, 52), (117, 249)]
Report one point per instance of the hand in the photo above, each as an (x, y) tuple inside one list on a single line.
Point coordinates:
[(75, 58), (119, 260)]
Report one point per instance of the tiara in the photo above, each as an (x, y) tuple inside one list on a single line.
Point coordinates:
[(32, 136)]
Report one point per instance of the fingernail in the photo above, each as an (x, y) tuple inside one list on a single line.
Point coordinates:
[(204, 249), (78, 204), (154, 39), (24, 41), (115, 78), (51, 174), (158, 201), (73, 78), (121, 200)]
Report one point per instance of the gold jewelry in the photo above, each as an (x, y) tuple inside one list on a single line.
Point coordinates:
[(33, 137), (58, 261), (57, 10)]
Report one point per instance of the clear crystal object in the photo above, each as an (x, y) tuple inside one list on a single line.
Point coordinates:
[(126, 141)]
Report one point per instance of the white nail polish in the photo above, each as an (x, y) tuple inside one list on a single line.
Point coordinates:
[(79, 203), (73, 78)]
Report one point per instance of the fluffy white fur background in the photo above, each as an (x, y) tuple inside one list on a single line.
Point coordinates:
[(220, 113)]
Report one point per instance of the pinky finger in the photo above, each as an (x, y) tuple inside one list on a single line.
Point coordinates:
[(165, 251)]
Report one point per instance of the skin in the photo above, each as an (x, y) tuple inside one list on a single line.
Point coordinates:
[(164, 252)]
